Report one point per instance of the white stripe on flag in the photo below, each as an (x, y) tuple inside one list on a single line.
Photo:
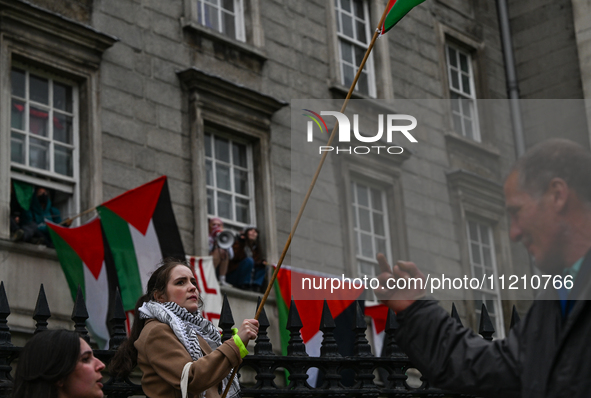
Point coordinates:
[(313, 349), (147, 251), (97, 303)]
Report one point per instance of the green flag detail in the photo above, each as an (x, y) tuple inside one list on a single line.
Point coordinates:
[(397, 10)]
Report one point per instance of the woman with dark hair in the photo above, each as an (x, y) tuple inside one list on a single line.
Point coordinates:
[(58, 364), (179, 351), (247, 269)]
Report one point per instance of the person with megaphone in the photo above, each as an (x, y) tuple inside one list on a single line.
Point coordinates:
[(220, 248), (247, 269)]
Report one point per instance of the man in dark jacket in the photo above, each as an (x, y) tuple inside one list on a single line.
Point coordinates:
[(548, 354)]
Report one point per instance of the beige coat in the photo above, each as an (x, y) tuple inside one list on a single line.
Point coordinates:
[(161, 357)]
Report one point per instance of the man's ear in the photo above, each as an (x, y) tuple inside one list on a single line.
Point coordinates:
[(60, 383), (559, 193)]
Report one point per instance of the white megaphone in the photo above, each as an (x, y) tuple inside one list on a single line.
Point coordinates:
[(225, 239)]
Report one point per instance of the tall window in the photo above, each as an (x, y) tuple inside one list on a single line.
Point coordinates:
[(44, 133), (354, 35), (230, 188), (462, 93), (224, 16), (483, 264), (370, 226)]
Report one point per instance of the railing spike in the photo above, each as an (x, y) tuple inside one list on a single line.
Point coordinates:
[(361, 345), (117, 322), (263, 343), (514, 317), (329, 346), (486, 328), (455, 315), (295, 346), (5, 338), (226, 320), (80, 315), (41, 313)]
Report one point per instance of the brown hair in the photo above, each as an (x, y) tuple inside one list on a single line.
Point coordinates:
[(125, 359)]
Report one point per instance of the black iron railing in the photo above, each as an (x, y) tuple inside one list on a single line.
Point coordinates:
[(361, 368)]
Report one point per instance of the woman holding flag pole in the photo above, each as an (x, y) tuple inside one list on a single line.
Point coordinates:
[(179, 352)]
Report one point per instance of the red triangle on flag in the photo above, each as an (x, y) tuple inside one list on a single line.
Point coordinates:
[(137, 205), (311, 308), (87, 241), (379, 314)]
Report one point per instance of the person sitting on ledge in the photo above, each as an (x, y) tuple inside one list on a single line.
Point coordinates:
[(247, 269)]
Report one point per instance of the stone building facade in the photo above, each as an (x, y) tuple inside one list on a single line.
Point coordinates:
[(196, 88)]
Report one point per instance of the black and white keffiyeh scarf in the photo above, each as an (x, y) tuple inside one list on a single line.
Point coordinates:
[(186, 327)]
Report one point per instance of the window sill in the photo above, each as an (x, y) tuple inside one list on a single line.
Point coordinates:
[(37, 251), (225, 47), (453, 140), (340, 92)]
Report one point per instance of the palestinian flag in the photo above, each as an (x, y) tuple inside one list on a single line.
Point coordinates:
[(379, 315), (141, 231), (397, 9), (342, 311), (81, 254)]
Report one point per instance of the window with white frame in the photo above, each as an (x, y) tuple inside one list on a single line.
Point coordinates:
[(370, 226), (44, 133), (483, 264), (462, 92), (354, 35), (229, 180), (224, 16)]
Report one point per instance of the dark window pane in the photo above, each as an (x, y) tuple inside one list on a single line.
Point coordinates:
[(17, 82), (210, 202), (362, 195), (346, 5), (62, 97), (239, 154), (346, 52), (363, 83), (452, 57), (347, 25), (17, 148), (208, 173), (208, 145), (38, 121), (242, 213), (222, 149), (222, 177), (228, 25), (62, 128), (358, 6), (63, 160), (17, 115), (38, 153), (241, 182), (38, 89), (228, 5), (378, 224), (225, 205), (463, 63), (360, 30)]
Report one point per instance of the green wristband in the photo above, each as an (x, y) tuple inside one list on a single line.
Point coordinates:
[(241, 347)]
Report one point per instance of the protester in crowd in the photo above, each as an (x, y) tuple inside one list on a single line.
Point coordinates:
[(221, 257), (32, 224), (175, 347), (547, 354), (58, 364), (247, 269)]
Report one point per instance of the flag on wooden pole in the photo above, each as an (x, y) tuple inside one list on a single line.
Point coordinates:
[(397, 9)]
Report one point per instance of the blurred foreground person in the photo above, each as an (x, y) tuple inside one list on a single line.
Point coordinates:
[(58, 364), (547, 354)]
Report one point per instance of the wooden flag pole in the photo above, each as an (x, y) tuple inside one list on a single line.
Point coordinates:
[(303, 206)]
